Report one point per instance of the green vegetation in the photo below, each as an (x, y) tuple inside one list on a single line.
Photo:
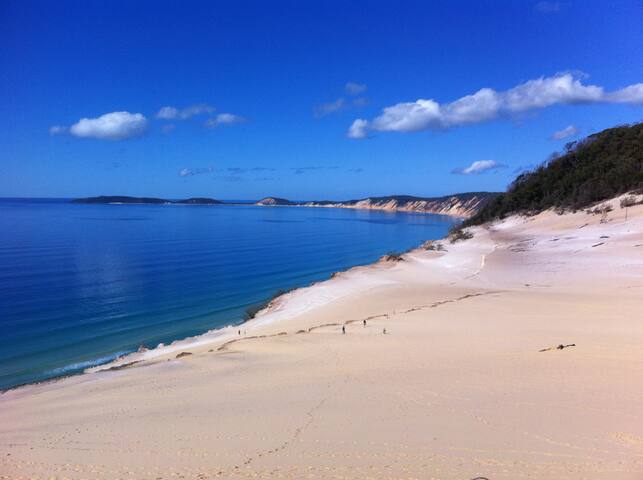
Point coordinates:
[(252, 310), (630, 201), (457, 234), (600, 210), (393, 257), (433, 245), (602, 166)]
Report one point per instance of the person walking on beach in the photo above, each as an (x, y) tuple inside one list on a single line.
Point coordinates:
[(343, 328), (364, 322), (384, 331)]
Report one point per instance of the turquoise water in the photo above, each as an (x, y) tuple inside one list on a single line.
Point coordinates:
[(82, 284)]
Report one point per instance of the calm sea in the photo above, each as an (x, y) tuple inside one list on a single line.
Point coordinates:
[(83, 284)]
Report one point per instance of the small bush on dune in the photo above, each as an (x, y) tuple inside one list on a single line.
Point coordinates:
[(459, 234), (393, 257), (630, 201), (433, 245), (600, 209), (252, 310)]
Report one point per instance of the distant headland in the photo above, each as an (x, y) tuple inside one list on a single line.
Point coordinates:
[(460, 204)]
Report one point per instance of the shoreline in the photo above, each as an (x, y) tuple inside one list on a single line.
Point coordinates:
[(211, 338), (217, 335), (345, 207), (377, 209), (455, 374), (461, 205)]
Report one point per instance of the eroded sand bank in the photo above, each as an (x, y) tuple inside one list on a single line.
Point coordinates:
[(456, 388)]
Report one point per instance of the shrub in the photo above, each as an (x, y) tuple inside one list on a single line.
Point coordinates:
[(459, 234), (252, 310), (602, 166), (630, 201), (433, 245), (601, 209), (393, 257)]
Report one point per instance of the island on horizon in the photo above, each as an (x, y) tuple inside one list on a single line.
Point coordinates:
[(124, 199), (459, 204)]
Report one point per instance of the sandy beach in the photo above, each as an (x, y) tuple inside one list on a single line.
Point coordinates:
[(467, 380)]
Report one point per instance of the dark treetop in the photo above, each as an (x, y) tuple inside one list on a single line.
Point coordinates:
[(602, 166)]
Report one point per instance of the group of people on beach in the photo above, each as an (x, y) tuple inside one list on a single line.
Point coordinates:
[(364, 323), (343, 329)]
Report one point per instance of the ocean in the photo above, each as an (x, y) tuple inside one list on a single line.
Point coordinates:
[(82, 284)]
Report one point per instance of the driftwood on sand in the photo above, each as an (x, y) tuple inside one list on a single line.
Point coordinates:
[(559, 347)]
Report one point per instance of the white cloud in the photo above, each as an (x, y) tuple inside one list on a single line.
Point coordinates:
[(228, 118), (353, 88), (189, 172), (631, 94), (111, 126), (479, 166), (193, 110), (57, 130), (224, 119), (168, 113), (406, 117), (546, 91), (566, 132), (173, 113), (487, 104), (358, 129), (331, 107), (479, 107)]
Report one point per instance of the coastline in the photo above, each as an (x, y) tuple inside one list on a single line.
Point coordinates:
[(456, 211), (212, 337), (254, 277), (282, 307), (463, 205), (459, 325), (216, 334), (447, 212)]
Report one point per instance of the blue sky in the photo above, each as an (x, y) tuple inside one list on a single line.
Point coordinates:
[(263, 95)]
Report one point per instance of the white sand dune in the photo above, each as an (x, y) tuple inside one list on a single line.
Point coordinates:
[(457, 388)]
